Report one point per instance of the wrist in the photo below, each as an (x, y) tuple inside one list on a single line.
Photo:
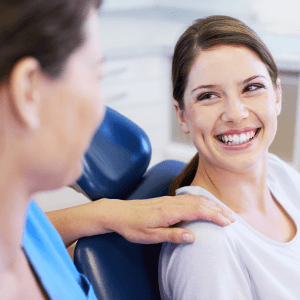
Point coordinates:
[(109, 216)]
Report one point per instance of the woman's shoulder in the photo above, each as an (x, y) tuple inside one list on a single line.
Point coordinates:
[(212, 243), (44, 248), (191, 269), (186, 268), (277, 165), (282, 173), (207, 233)]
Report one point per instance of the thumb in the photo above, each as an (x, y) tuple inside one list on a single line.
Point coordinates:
[(178, 235)]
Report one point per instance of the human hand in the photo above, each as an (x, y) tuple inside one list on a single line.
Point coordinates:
[(148, 221)]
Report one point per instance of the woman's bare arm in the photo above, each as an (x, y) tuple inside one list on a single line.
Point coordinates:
[(139, 221)]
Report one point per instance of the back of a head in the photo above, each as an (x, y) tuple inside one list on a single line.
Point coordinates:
[(202, 35), (46, 30)]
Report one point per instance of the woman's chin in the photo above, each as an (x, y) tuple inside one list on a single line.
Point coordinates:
[(70, 175), (76, 172), (242, 163)]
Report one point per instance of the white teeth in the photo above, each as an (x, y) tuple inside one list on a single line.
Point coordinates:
[(236, 139), (243, 138)]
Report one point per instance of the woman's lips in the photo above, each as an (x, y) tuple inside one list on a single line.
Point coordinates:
[(237, 141)]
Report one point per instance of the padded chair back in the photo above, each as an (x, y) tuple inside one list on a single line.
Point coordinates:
[(117, 158), (118, 269)]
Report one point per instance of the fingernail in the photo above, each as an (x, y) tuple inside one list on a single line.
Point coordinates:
[(227, 221), (231, 218), (187, 238)]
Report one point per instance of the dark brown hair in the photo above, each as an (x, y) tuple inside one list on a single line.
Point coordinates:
[(202, 35), (48, 30)]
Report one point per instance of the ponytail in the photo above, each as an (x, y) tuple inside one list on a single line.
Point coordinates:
[(186, 177)]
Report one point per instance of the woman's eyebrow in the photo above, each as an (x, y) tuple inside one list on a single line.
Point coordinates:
[(209, 86), (252, 77)]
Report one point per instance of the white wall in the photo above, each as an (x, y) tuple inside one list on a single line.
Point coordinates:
[(272, 10), (218, 6), (226, 6), (273, 15), (110, 5)]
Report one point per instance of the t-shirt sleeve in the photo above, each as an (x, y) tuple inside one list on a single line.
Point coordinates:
[(210, 268)]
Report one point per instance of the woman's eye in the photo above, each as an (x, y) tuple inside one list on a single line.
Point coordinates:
[(253, 87), (206, 96)]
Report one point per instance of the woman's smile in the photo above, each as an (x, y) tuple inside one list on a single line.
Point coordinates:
[(236, 140)]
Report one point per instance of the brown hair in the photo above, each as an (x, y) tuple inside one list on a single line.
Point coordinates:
[(48, 30), (202, 35)]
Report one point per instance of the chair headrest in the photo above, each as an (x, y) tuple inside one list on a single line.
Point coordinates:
[(117, 158), (157, 180)]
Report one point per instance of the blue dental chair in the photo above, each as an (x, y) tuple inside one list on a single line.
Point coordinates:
[(115, 167)]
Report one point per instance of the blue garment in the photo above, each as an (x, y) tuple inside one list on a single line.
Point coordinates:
[(50, 260)]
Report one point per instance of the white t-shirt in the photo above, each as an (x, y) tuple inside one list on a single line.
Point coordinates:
[(236, 262)]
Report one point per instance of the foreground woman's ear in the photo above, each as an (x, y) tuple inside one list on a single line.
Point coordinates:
[(24, 96), (278, 97), (181, 117)]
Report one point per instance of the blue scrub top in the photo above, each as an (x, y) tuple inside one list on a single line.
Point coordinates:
[(50, 259)]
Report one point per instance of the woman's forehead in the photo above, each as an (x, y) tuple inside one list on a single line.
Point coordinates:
[(224, 63)]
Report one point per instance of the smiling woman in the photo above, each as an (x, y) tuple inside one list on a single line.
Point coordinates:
[(206, 34), (227, 96)]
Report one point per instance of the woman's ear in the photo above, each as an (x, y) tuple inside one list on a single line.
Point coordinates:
[(24, 94), (181, 117), (278, 103)]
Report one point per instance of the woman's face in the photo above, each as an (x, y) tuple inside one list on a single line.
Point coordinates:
[(72, 108), (231, 107)]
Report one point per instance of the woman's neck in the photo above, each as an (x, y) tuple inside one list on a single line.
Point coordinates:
[(14, 200), (240, 191), (17, 279)]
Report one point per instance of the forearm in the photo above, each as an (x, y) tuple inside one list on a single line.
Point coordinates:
[(80, 221), (139, 221)]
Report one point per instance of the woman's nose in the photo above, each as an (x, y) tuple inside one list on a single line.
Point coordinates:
[(235, 111)]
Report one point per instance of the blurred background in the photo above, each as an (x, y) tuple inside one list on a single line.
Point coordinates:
[(138, 37)]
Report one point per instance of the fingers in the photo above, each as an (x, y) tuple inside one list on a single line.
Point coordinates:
[(161, 235), (175, 235), (148, 221), (174, 214), (190, 207), (190, 198), (217, 214)]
